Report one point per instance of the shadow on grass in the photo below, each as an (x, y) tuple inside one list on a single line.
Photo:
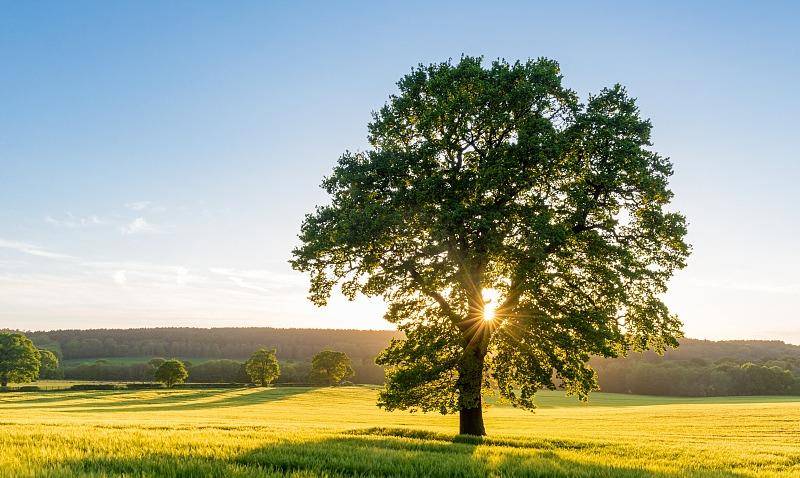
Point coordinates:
[(173, 401), (106, 399), (372, 453)]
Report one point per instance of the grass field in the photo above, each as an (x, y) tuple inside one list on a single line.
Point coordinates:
[(305, 432)]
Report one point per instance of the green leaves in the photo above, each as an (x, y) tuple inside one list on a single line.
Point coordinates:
[(262, 367), (496, 177), (171, 372), (19, 359), (330, 368)]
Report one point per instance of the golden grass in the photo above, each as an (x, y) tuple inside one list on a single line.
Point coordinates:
[(340, 432)]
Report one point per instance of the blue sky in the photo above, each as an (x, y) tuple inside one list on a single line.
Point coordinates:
[(156, 158)]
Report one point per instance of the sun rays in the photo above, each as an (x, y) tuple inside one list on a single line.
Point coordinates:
[(490, 297)]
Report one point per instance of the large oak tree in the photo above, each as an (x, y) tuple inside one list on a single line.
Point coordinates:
[(494, 187)]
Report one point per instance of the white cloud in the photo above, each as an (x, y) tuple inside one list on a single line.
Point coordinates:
[(31, 250), (73, 221), (138, 205), (260, 274), (139, 226), (144, 274), (182, 276), (260, 280), (120, 277)]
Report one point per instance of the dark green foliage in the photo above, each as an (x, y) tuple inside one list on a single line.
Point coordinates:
[(48, 365), (97, 386), (262, 367), (219, 371), (28, 388), (699, 378), (330, 368), (497, 179), (156, 362), (19, 359), (193, 386), (231, 342), (105, 371), (291, 345), (171, 372), (297, 373), (143, 386)]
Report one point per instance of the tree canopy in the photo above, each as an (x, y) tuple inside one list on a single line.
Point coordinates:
[(19, 359), (48, 364), (171, 372), (497, 181), (330, 368), (262, 367)]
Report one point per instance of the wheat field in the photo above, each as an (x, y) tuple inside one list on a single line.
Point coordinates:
[(334, 432)]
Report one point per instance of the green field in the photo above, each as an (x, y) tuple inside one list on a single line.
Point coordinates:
[(306, 432)]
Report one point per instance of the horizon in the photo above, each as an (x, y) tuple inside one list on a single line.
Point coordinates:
[(348, 330), (157, 162)]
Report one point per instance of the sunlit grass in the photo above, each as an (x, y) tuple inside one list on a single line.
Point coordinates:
[(339, 432)]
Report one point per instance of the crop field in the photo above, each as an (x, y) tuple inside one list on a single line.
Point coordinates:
[(310, 432)]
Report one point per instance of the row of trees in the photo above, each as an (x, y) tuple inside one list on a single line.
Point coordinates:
[(21, 361), (262, 368), (362, 346), (210, 371), (671, 375), (698, 378)]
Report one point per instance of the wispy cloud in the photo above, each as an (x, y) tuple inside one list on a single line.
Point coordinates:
[(138, 205), (790, 288), (73, 221), (260, 280), (139, 225), (31, 250), (120, 277), (157, 275)]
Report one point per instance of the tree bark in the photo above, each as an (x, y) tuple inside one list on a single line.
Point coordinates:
[(470, 379), (470, 421)]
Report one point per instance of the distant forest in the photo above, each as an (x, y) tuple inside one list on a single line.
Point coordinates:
[(696, 368), (294, 348)]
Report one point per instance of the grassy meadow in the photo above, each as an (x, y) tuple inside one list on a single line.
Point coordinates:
[(310, 432)]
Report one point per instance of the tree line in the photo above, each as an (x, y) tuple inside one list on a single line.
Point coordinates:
[(22, 362), (207, 371), (699, 377), (294, 347), (695, 368), (229, 342)]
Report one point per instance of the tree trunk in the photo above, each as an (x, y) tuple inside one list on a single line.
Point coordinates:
[(3, 381), (470, 422), (470, 379), (476, 335)]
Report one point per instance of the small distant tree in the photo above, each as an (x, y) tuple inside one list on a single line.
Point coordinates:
[(19, 359), (330, 368), (171, 372), (154, 363), (48, 364), (263, 367)]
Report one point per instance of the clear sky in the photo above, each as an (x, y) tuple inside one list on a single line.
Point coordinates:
[(156, 158)]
